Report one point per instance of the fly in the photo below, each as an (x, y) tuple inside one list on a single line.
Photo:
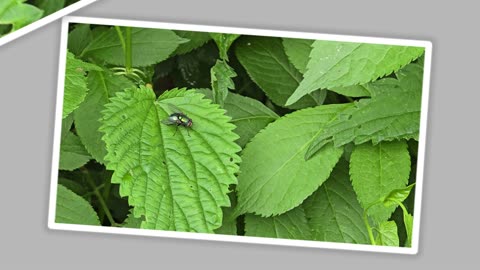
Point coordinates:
[(179, 119)]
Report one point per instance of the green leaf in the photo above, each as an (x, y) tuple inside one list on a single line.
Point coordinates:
[(333, 211), (248, 115), (50, 6), (132, 222), (397, 196), (224, 41), (408, 221), (75, 83), (66, 126), (73, 209), (377, 170), (392, 113), (274, 177), (72, 185), (290, 225), (149, 46), (229, 224), (103, 85), (221, 75), (196, 39), (177, 179), (338, 64), (352, 91), (298, 52), (72, 153), (18, 14), (79, 38), (267, 65), (387, 234)]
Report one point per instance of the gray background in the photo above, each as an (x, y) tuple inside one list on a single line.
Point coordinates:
[(28, 83)]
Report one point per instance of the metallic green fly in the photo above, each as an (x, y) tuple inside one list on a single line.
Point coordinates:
[(178, 118)]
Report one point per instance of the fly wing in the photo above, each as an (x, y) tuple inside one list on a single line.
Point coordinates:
[(173, 108)]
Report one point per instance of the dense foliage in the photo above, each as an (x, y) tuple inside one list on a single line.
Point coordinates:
[(15, 14), (289, 138)]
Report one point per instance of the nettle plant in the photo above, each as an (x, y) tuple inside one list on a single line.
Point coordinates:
[(240, 135), (15, 14)]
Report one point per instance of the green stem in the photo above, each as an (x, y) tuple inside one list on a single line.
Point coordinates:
[(105, 195), (101, 200), (128, 50), (369, 229)]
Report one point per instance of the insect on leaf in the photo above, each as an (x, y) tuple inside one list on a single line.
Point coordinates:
[(174, 180)]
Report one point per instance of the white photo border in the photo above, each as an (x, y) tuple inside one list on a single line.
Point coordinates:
[(231, 238), (44, 21)]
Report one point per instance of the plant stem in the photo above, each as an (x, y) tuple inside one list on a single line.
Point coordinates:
[(128, 49), (105, 195), (101, 200), (369, 229)]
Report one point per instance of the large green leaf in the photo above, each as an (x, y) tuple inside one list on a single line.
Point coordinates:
[(221, 76), (266, 63), (72, 153), (392, 113), (274, 177), (79, 38), (377, 170), (149, 46), (75, 83), (333, 211), (73, 209), (224, 41), (387, 234), (290, 225), (50, 6), (177, 178), (196, 39), (248, 115), (18, 14), (298, 52), (337, 64), (102, 86)]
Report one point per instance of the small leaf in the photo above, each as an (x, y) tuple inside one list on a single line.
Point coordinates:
[(72, 153), (73, 209), (103, 85), (79, 38), (149, 46), (408, 220), (333, 211), (267, 65), (248, 115), (196, 39), (274, 177), (377, 170), (132, 222), (392, 113), (221, 75), (224, 41), (397, 196), (177, 178), (298, 52), (75, 83), (229, 224), (290, 225), (387, 234), (18, 14), (338, 64), (50, 6)]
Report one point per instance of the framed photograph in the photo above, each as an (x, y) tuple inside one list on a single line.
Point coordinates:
[(19, 17), (240, 135)]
